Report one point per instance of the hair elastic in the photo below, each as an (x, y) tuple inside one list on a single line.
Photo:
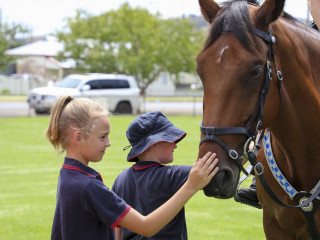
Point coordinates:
[(68, 100)]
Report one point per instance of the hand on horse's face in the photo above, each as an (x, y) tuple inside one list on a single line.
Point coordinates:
[(203, 171)]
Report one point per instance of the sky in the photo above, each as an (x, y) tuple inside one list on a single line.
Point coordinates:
[(46, 16)]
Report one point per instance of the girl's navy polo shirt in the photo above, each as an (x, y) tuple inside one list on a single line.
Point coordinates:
[(146, 186), (86, 208)]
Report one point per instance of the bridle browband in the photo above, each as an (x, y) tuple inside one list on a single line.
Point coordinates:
[(254, 124)]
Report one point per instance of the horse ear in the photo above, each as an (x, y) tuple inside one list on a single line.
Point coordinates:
[(209, 9), (268, 12)]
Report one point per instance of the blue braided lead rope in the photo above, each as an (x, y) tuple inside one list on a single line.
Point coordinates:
[(274, 167), (276, 170)]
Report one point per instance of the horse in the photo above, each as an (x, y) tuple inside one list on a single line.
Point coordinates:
[(260, 71)]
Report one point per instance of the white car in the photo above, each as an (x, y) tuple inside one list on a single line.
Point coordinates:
[(118, 93)]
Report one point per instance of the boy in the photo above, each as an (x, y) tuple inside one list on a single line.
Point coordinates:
[(149, 183)]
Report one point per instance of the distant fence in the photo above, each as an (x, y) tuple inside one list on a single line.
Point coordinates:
[(174, 105), (18, 86)]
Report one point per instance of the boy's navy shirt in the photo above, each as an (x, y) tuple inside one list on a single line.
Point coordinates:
[(86, 208), (146, 186)]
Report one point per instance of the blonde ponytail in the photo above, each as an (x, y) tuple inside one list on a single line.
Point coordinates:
[(52, 131)]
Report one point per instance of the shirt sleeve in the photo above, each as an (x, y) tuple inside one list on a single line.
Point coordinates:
[(104, 204)]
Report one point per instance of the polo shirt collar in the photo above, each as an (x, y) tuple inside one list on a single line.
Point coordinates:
[(146, 164), (73, 164)]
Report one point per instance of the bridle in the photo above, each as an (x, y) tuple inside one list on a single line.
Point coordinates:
[(307, 202), (254, 123)]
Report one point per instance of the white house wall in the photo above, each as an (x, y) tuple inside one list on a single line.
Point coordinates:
[(162, 86)]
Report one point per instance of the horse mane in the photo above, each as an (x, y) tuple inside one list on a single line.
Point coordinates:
[(303, 25)]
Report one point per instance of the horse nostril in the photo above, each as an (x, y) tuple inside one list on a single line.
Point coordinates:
[(223, 185), (223, 178)]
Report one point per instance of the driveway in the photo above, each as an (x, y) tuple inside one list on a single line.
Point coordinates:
[(21, 109), (15, 109)]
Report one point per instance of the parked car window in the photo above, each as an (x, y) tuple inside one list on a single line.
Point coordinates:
[(108, 84), (94, 84), (122, 84), (68, 83), (114, 83)]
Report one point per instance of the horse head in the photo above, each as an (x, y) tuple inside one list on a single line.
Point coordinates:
[(232, 67)]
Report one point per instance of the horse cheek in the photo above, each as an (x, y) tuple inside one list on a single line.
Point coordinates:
[(271, 108)]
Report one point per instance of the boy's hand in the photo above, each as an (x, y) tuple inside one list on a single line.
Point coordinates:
[(203, 171)]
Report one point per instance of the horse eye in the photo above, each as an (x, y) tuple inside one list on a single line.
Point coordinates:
[(256, 72)]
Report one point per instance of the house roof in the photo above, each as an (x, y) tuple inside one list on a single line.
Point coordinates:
[(48, 47)]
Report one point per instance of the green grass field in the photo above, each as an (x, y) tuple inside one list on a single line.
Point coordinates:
[(30, 167)]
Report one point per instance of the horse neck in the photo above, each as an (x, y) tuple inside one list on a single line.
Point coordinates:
[(296, 130)]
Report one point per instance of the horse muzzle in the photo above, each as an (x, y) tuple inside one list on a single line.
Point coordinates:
[(224, 184)]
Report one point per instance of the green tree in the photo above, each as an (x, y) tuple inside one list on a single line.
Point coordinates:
[(8, 34), (131, 41)]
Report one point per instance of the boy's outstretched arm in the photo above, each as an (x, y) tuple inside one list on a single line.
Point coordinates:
[(200, 175)]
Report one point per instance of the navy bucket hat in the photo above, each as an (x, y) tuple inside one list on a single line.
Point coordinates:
[(148, 129)]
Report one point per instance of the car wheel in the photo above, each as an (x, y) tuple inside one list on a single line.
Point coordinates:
[(123, 107), (42, 111)]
